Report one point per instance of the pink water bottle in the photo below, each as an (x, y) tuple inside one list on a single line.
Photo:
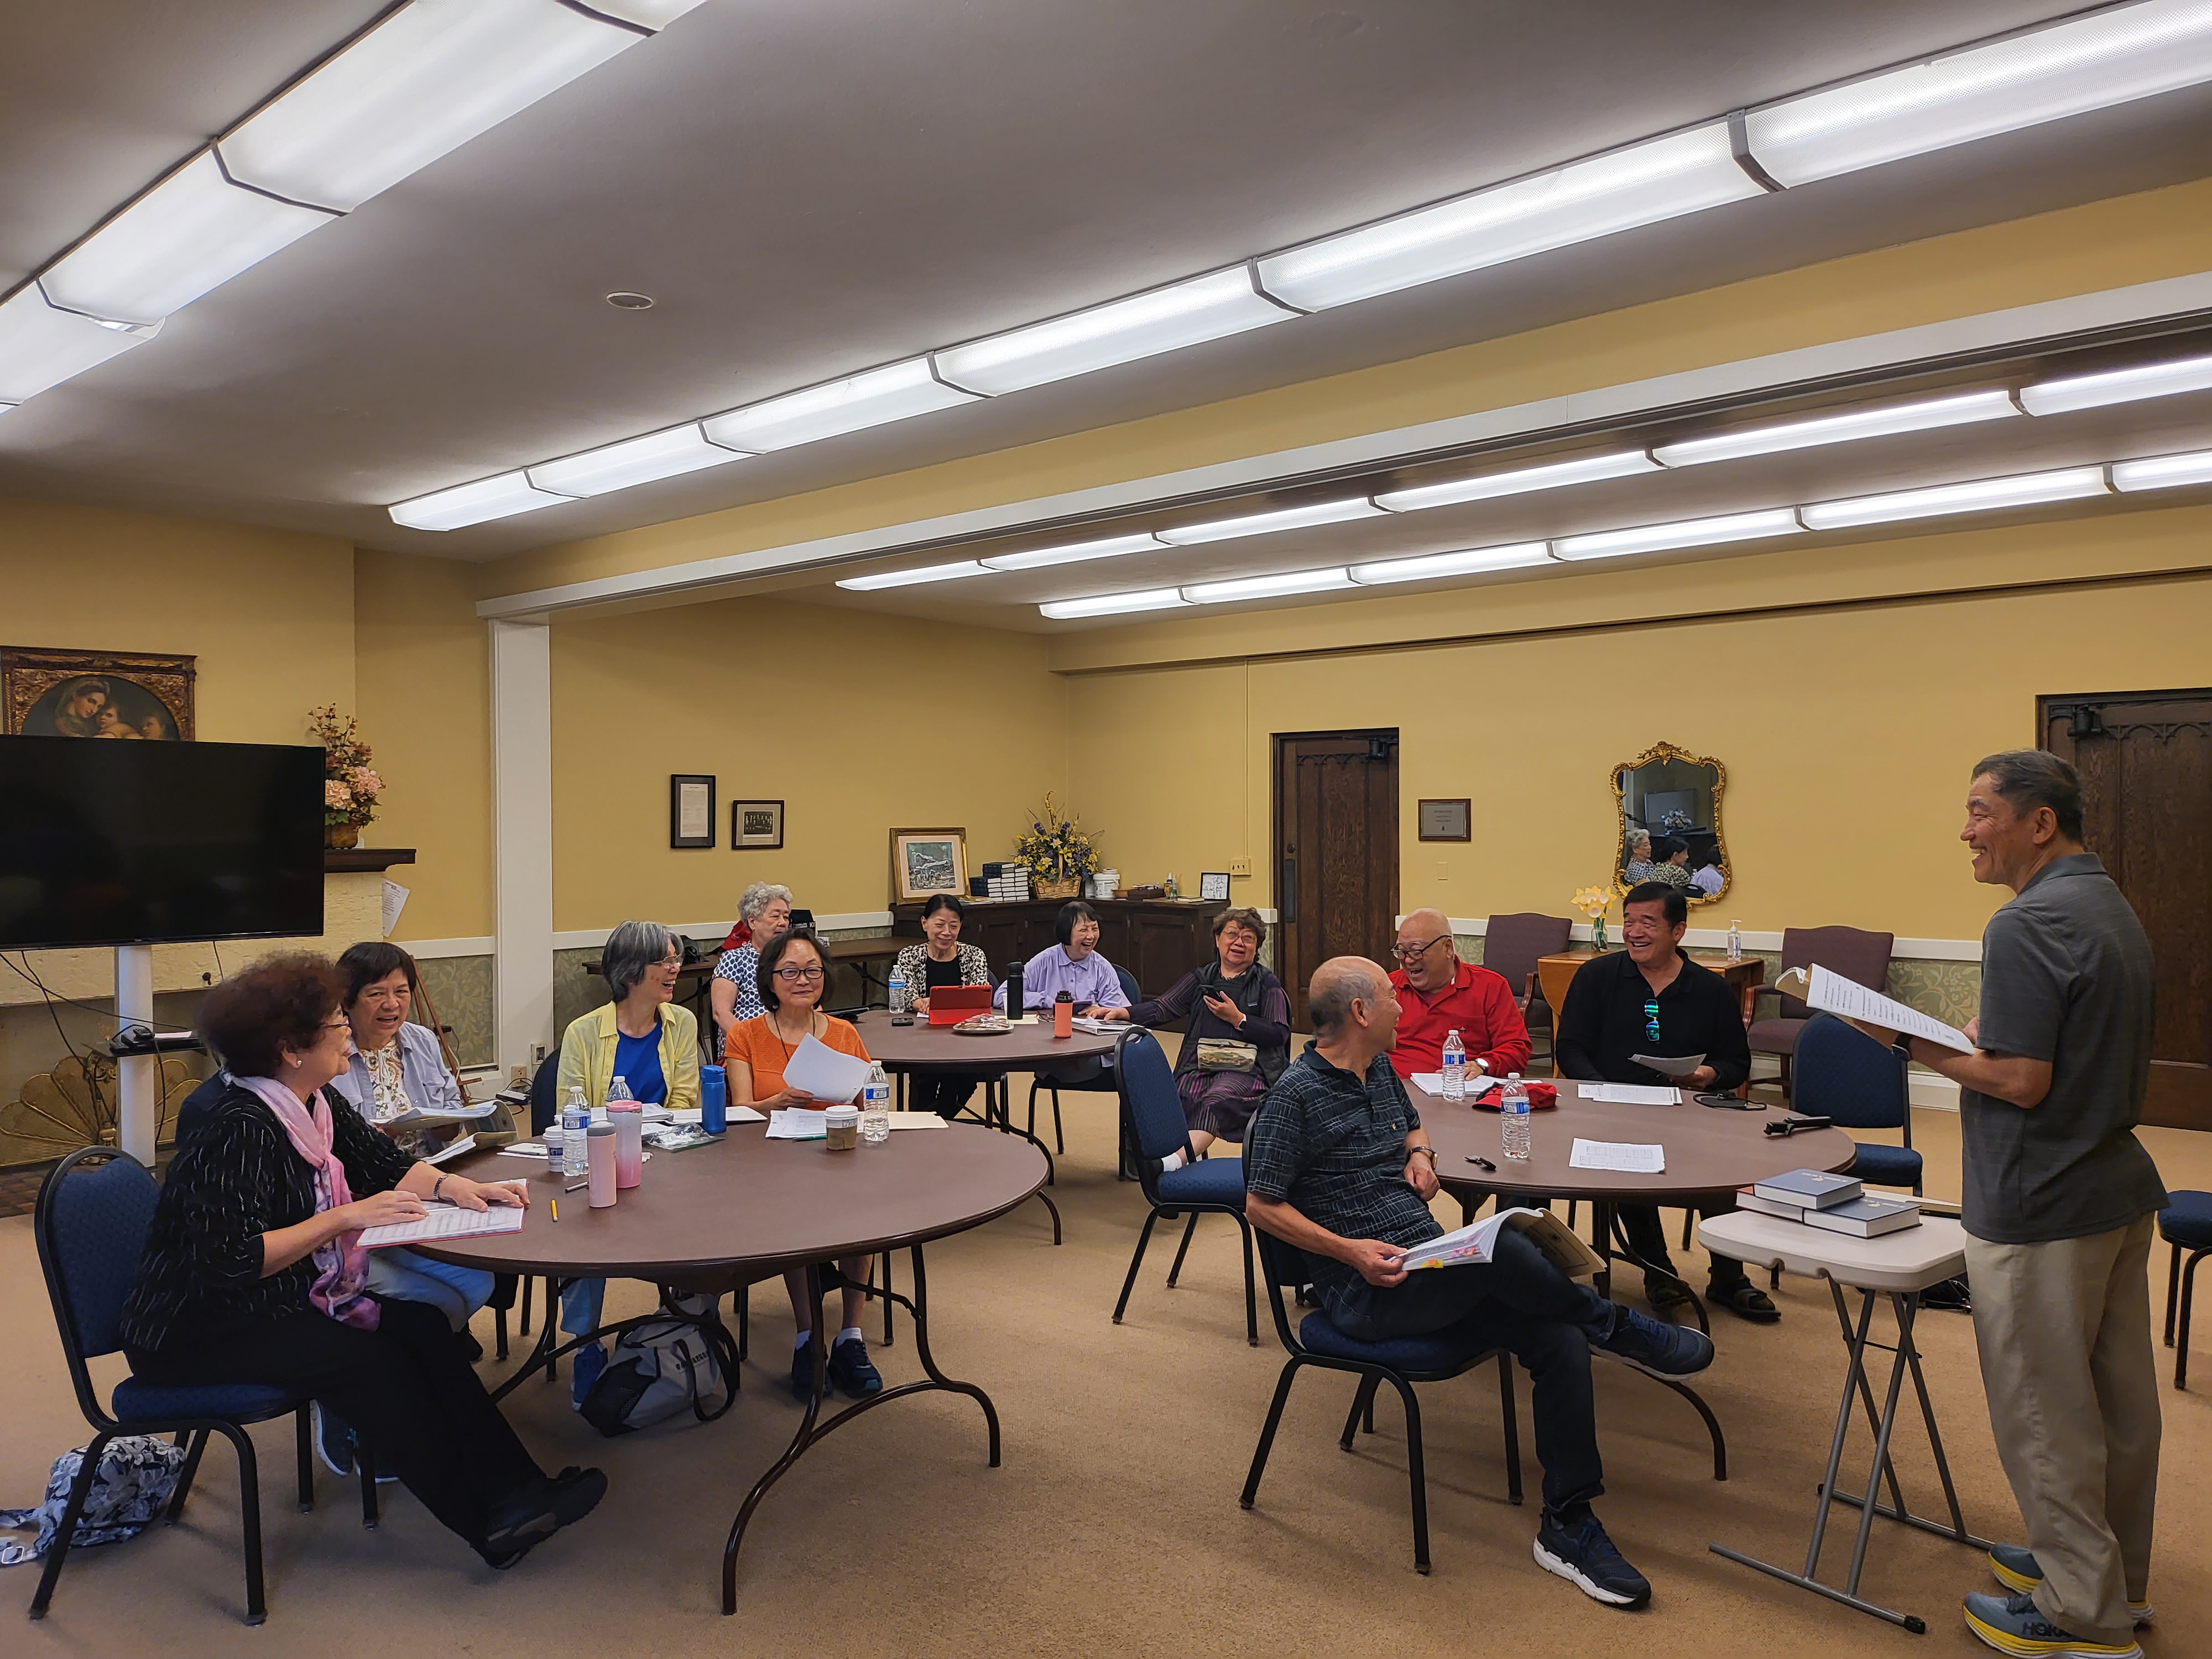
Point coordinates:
[(628, 1119), (600, 1140)]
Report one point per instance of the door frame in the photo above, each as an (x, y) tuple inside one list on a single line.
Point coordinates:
[(1276, 740)]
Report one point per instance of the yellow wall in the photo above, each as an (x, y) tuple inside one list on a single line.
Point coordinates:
[(834, 713)]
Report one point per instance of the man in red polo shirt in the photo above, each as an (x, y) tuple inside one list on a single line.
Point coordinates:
[(1438, 993)]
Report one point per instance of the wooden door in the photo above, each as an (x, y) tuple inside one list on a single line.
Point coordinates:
[(2146, 763), (1336, 853)]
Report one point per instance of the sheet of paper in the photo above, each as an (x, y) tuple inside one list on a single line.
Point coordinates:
[(797, 1123), (444, 1221), (917, 1121), (734, 1113), (1670, 1064), (695, 811), (1627, 1156), (1478, 1082), (1097, 1027), (823, 1073), (1631, 1094), (523, 1149), (395, 900), (1832, 993), (447, 1154)]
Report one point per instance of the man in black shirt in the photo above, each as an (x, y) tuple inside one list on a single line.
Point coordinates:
[(1652, 999)]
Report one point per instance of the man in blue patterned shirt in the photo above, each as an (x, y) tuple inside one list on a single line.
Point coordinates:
[(1337, 1164)]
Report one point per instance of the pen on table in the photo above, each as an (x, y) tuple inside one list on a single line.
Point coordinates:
[(577, 1186), (1485, 1162)]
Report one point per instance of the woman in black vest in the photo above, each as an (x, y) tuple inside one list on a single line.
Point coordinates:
[(1238, 1040)]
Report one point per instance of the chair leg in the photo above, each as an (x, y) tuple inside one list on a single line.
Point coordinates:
[(744, 1298), (890, 1306), (1416, 1475), (1268, 1434), (1363, 1405), (1510, 1414), (1251, 1290), (2172, 1291), (1135, 1261), (305, 1449), (523, 1326), (249, 1514), (1190, 1228), (499, 1332), (1573, 1204), (79, 1489), (1688, 1218), (2181, 1334), (185, 1475)]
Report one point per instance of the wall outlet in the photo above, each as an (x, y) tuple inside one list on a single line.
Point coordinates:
[(1240, 867)]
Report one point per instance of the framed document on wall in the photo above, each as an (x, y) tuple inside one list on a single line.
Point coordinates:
[(691, 810), (1446, 820), (756, 823)]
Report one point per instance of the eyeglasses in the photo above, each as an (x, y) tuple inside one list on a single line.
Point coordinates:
[(674, 964), (341, 1024), (1651, 1019), (1414, 953), (797, 975)]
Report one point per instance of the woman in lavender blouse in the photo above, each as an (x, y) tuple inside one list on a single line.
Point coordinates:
[(1073, 965)]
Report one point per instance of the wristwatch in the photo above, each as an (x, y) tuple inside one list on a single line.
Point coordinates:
[(1431, 1150), (437, 1187)]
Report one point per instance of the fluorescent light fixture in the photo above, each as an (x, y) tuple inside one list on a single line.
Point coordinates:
[(501, 497), (1640, 185), (1120, 332), (654, 14), (1849, 428), (1111, 547), (1269, 587), (667, 454), (873, 398), (928, 572), (2120, 386), (1551, 476), (41, 346), (1983, 495), (2163, 472), (424, 82), (1468, 562), (193, 231), (1263, 523), (1113, 604), (1683, 532), (2110, 56)]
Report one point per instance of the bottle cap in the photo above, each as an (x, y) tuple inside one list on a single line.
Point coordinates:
[(842, 1114)]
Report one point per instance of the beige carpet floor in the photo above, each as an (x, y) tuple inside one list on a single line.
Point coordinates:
[(1113, 1527)]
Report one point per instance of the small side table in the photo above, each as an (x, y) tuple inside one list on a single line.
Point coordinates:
[(1900, 1266)]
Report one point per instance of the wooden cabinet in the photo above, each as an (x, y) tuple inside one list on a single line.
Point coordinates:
[(1159, 940)]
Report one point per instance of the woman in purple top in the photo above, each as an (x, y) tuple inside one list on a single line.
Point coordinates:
[(1239, 1041), (1074, 966)]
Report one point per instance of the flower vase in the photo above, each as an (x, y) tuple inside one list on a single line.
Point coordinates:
[(340, 836), (1597, 935)]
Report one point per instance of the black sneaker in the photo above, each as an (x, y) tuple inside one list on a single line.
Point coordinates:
[(529, 1517), (802, 1371), (333, 1442), (1654, 1347), (850, 1372), (1581, 1553)]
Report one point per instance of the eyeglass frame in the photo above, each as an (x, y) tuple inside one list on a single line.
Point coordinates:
[(1414, 953)]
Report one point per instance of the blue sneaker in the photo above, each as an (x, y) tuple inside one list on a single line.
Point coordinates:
[(1581, 1553), (850, 1372), (1654, 1347), (2013, 1624), (2016, 1569), (589, 1361)]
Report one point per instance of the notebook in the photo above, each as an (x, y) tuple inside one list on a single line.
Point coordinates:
[(1809, 1189), (950, 1004)]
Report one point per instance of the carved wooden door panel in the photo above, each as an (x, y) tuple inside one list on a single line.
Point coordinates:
[(1336, 853)]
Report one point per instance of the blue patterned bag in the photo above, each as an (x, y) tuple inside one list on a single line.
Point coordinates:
[(136, 1476)]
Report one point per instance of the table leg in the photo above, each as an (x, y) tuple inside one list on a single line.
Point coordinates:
[(1957, 1530), (1697, 1305), (1604, 1228)]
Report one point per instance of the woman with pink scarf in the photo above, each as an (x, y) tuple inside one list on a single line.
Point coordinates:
[(254, 1273)]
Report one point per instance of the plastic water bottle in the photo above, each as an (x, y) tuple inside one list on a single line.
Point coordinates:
[(1513, 1117), (575, 1118), (618, 1089), (1455, 1068), (876, 1107), (897, 992), (1735, 939), (554, 1138)]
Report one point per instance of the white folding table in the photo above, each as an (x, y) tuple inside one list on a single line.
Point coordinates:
[(1900, 1266)]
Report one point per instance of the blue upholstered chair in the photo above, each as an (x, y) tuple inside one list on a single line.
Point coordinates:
[(1151, 1118), (2185, 1224), (1401, 1362), (1843, 1073), (93, 1214), (1089, 1076)]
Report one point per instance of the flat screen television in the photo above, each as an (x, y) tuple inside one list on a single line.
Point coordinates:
[(110, 841)]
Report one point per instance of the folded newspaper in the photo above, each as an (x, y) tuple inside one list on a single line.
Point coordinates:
[(1475, 1244)]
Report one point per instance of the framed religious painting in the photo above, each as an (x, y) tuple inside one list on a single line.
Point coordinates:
[(47, 692)]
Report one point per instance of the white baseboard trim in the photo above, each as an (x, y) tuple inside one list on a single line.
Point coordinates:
[(1715, 938), (1930, 1092)]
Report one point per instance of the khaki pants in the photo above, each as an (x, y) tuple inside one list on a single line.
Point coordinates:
[(2063, 1330)]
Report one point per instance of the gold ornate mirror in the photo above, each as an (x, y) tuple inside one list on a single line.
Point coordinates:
[(1668, 808)]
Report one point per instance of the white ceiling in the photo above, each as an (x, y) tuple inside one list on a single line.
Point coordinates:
[(811, 189)]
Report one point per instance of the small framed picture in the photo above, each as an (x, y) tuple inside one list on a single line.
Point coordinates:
[(926, 861), (1446, 820), (1214, 884), (756, 823), (691, 810)]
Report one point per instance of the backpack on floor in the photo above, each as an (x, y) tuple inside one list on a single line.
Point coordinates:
[(137, 1473), (662, 1364)]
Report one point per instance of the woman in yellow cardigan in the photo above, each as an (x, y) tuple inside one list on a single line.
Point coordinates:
[(644, 1038)]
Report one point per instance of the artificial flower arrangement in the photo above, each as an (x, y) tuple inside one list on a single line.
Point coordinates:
[(1055, 849), (1593, 901), (350, 786)]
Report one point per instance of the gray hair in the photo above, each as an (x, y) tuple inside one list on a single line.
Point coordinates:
[(2029, 778), (1637, 838), (633, 949), (1337, 984), (758, 897)]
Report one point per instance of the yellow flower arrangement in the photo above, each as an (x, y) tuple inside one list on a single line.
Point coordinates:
[(1593, 901)]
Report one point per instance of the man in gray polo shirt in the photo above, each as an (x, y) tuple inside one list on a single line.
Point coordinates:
[(2059, 1201)]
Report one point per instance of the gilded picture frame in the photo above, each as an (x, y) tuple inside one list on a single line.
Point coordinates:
[(51, 692), (1633, 803)]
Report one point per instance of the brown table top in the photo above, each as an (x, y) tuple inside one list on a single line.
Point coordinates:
[(1709, 1149), (922, 1047), (752, 1202)]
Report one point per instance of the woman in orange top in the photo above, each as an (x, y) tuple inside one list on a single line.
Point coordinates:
[(792, 975)]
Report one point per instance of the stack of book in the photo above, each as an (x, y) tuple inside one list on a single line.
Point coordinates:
[(1836, 1202), (1007, 881)]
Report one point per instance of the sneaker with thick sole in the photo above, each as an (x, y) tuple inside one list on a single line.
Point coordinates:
[(1581, 1553), (333, 1442), (1654, 1347), (529, 1517), (851, 1372), (2013, 1624), (588, 1361), (2016, 1569)]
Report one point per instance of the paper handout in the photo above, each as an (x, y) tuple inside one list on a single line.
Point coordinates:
[(1631, 1094), (824, 1072), (1832, 993), (1478, 1082), (1669, 1064), (1476, 1243), (444, 1221), (797, 1123), (1629, 1157)]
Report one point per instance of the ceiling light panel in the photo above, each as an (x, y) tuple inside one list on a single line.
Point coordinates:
[(41, 346), (1121, 332), (2108, 57), (1983, 495), (654, 14), (1470, 562), (1642, 185), (1684, 532), (667, 454), (1849, 428), (1110, 547), (1554, 476), (1113, 604), (424, 82), (193, 231), (1263, 523), (928, 572), (875, 398), (1269, 587), (2122, 385), (2163, 472), (475, 503)]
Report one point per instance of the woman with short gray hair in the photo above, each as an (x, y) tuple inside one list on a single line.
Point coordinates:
[(649, 1041), (764, 913), (1639, 867)]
